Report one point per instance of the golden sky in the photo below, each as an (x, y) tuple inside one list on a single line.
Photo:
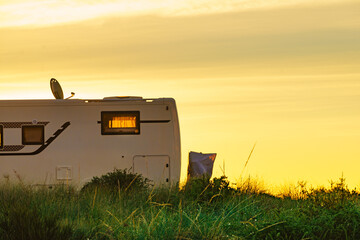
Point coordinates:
[(284, 74)]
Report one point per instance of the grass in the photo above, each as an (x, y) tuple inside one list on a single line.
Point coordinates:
[(201, 210)]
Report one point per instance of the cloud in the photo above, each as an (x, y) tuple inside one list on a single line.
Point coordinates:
[(44, 13)]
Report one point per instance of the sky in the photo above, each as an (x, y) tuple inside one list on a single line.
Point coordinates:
[(282, 74)]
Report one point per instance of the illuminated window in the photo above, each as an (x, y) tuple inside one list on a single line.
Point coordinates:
[(33, 135), (1, 137), (120, 123)]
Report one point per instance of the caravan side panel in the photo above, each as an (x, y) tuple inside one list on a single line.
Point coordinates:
[(75, 147)]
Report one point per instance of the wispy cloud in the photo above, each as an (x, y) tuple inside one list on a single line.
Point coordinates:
[(40, 13)]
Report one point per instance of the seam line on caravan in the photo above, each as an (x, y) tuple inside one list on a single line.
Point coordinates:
[(154, 121), (46, 144)]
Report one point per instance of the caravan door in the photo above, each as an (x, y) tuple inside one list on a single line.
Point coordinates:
[(153, 167)]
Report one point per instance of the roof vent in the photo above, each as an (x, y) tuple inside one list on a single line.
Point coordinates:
[(121, 97)]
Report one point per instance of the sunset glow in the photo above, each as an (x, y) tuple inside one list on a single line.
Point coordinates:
[(284, 74), (39, 13)]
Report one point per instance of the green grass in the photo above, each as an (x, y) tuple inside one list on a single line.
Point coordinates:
[(202, 210)]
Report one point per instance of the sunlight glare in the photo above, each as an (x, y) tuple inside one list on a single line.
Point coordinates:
[(44, 13)]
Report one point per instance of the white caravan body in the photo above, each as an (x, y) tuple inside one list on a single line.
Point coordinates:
[(47, 142)]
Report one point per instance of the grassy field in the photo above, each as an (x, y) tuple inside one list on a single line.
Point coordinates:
[(202, 210)]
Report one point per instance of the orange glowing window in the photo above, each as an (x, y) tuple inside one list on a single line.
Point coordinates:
[(123, 122), (120, 123), (1, 137)]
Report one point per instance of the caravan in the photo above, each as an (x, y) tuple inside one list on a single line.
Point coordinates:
[(72, 140)]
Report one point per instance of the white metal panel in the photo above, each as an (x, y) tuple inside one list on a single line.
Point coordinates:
[(63, 173), (153, 167)]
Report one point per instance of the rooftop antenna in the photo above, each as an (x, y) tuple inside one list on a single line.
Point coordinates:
[(56, 89)]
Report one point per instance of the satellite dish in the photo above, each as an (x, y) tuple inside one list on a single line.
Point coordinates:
[(56, 89)]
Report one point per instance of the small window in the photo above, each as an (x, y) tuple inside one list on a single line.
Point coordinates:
[(120, 123), (1, 137), (33, 135)]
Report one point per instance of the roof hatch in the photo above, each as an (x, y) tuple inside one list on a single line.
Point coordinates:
[(121, 97)]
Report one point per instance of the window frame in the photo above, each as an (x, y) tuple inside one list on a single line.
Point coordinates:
[(1, 136), (23, 127), (117, 131)]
